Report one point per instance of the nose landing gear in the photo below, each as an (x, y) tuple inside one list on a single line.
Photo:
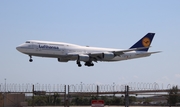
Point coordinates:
[(30, 60)]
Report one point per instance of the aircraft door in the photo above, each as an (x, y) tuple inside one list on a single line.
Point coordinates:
[(37, 47)]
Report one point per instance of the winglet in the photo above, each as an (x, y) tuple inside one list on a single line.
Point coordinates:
[(144, 42)]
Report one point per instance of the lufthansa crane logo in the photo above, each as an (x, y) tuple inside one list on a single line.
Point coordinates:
[(146, 42)]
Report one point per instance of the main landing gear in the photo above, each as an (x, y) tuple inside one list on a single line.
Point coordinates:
[(30, 60), (89, 63), (79, 63)]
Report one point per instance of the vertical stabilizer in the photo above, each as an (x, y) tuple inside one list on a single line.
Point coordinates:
[(144, 42)]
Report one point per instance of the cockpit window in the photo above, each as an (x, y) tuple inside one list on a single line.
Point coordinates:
[(27, 42)]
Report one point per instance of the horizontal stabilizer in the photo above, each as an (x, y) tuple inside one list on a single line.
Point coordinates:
[(154, 52), (149, 53)]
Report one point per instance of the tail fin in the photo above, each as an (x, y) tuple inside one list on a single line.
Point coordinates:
[(144, 42)]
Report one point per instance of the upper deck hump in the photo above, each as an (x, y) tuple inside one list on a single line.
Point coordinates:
[(51, 43)]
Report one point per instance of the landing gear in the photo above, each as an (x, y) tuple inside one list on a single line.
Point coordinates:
[(78, 63), (30, 60), (89, 64)]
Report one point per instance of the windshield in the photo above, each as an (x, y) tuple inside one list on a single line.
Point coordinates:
[(27, 42)]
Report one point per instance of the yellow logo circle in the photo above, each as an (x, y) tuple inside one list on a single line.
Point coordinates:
[(146, 42)]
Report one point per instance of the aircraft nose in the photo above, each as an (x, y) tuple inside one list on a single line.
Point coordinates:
[(18, 48)]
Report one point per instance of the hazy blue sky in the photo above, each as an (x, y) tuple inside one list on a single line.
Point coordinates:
[(101, 23)]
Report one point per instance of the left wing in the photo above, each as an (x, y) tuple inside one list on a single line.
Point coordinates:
[(111, 54), (95, 56), (120, 52)]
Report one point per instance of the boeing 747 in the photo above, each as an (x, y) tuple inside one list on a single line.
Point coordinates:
[(65, 52)]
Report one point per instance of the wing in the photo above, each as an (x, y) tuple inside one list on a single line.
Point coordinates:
[(111, 54), (121, 52), (99, 56)]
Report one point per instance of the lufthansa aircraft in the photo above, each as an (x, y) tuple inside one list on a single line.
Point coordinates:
[(65, 52)]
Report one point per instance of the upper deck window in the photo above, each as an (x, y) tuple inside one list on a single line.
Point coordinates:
[(27, 42)]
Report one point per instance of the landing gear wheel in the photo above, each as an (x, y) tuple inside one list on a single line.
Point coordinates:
[(78, 63), (89, 64), (30, 60)]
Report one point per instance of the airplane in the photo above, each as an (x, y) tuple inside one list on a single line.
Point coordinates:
[(65, 52)]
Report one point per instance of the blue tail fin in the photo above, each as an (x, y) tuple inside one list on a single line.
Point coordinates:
[(144, 42)]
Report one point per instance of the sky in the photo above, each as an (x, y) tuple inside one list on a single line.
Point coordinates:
[(99, 23)]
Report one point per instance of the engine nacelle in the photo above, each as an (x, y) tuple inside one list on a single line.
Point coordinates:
[(107, 56), (62, 60), (83, 58)]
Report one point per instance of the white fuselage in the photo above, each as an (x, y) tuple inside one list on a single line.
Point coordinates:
[(63, 50)]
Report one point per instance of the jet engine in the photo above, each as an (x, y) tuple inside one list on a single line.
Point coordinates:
[(107, 56), (62, 60), (83, 58)]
